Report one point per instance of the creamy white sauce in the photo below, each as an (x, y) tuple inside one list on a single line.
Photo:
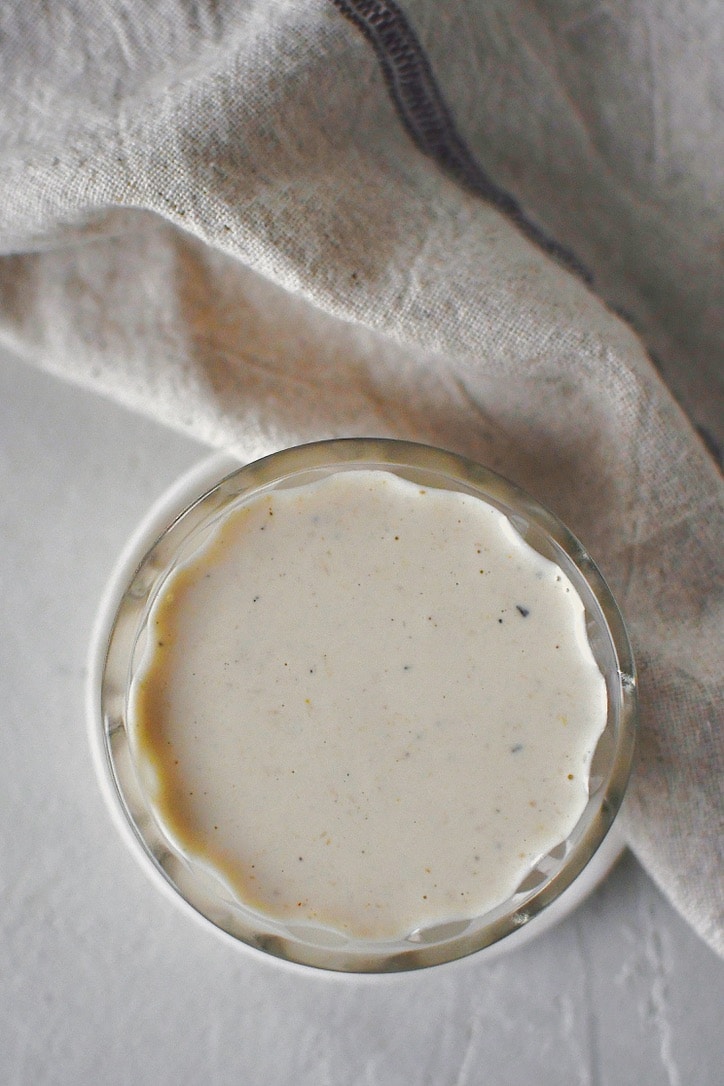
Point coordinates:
[(367, 704)]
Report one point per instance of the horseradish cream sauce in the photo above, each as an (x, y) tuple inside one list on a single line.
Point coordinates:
[(367, 704)]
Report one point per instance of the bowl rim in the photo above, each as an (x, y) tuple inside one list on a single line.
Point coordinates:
[(222, 480)]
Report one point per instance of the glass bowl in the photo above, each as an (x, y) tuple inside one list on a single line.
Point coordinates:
[(175, 530)]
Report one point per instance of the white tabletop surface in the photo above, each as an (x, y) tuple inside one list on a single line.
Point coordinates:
[(103, 981)]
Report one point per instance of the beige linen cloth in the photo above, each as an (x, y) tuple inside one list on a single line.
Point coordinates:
[(269, 221)]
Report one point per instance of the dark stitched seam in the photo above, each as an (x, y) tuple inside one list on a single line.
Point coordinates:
[(427, 118)]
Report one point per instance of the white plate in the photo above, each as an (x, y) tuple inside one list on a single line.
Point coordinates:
[(168, 506)]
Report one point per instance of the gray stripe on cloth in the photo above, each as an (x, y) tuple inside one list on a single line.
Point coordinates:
[(427, 117)]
